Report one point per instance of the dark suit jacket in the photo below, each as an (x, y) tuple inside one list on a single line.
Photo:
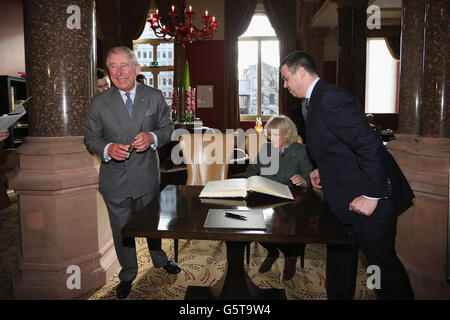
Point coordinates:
[(108, 121), (296, 115), (351, 158)]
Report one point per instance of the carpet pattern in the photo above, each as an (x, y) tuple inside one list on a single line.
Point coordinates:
[(202, 262)]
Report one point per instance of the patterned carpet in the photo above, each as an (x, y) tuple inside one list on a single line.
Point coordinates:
[(202, 263)]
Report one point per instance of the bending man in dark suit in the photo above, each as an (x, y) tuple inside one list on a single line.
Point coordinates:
[(360, 179), (129, 115)]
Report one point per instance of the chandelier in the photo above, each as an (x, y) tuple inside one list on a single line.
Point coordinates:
[(182, 30)]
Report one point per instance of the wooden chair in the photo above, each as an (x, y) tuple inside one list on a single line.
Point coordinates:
[(207, 158)]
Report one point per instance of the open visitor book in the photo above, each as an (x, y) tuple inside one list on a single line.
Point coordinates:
[(238, 188)]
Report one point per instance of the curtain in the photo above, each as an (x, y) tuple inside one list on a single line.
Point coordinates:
[(134, 17), (119, 22), (393, 44), (281, 14), (238, 15)]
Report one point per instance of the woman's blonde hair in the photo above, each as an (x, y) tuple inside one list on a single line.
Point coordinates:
[(287, 129)]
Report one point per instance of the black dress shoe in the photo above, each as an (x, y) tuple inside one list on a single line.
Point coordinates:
[(123, 289), (172, 268)]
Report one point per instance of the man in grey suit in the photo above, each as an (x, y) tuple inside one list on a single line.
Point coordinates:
[(123, 118)]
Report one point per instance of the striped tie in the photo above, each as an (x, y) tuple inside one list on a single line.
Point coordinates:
[(129, 104)]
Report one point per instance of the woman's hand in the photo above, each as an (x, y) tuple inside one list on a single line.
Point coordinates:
[(298, 180)]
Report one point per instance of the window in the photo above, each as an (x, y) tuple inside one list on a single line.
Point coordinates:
[(158, 71), (381, 78), (258, 63)]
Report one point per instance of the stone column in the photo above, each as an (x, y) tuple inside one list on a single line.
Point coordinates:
[(345, 45), (351, 64), (66, 246), (423, 146)]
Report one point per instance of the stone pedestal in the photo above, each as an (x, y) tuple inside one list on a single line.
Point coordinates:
[(63, 220), (422, 149), (422, 230)]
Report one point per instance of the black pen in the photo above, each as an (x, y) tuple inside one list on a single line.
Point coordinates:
[(235, 216)]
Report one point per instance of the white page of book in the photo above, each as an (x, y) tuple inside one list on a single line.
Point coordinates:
[(261, 184), (227, 187)]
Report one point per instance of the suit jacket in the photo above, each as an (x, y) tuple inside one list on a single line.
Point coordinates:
[(351, 158), (108, 121), (296, 115)]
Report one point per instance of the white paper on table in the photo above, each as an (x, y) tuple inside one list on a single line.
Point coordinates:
[(7, 120)]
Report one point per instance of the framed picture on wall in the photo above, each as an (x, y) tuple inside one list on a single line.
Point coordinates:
[(205, 96)]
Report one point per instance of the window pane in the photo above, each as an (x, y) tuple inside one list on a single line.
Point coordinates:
[(259, 26), (248, 77), (148, 33), (270, 61), (148, 78), (164, 59), (143, 56), (164, 78), (381, 78)]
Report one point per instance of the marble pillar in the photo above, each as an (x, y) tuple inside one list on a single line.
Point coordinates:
[(411, 70), (422, 146), (66, 246), (435, 114)]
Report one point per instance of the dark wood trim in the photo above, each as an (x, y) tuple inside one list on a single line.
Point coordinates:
[(384, 32)]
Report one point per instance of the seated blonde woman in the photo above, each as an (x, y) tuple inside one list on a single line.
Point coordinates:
[(293, 170)]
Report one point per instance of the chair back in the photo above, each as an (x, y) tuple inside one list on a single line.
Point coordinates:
[(207, 156)]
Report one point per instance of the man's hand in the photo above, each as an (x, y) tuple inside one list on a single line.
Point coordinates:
[(118, 151), (364, 206), (298, 180), (142, 141), (315, 179)]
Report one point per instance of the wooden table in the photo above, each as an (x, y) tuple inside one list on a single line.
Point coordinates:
[(179, 213)]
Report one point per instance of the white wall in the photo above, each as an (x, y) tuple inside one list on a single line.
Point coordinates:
[(12, 46)]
